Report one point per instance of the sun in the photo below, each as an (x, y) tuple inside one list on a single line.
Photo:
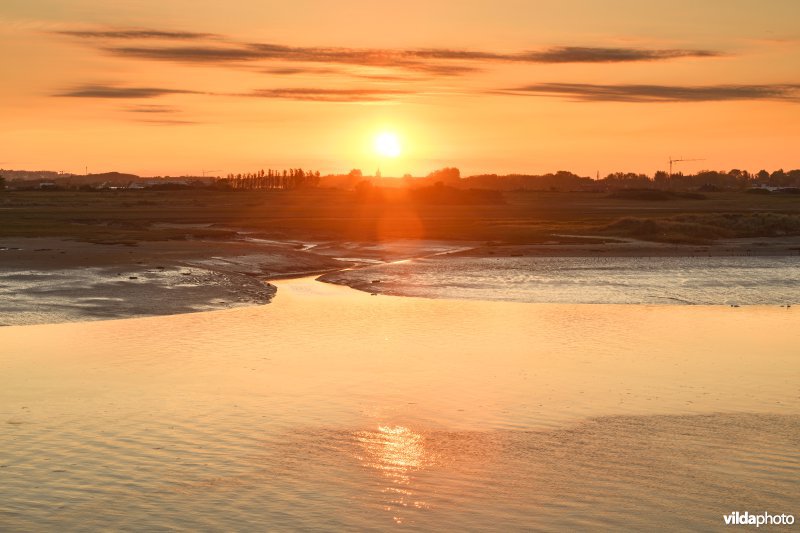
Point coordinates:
[(387, 144)]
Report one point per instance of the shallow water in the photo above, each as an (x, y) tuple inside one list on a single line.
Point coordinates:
[(739, 280), (332, 409)]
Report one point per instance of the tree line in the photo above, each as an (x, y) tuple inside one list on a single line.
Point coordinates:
[(707, 179), (298, 178), (293, 178)]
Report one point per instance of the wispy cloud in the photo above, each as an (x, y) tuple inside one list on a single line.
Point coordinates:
[(151, 108), (135, 34), (110, 91), (329, 95), (292, 71), (419, 60), (659, 93), (580, 54), (566, 54), (439, 69), (228, 54), (167, 122), (390, 77), (188, 54), (213, 49), (307, 94), (340, 72)]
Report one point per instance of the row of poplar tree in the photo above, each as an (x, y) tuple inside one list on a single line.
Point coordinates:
[(293, 178)]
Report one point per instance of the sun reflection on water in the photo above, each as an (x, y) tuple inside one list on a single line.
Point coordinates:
[(396, 452)]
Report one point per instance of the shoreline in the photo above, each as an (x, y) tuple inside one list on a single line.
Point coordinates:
[(47, 280), (51, 280), (618, 247)]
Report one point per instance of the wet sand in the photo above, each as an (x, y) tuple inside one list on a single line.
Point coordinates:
[(240, 256), (333, 409), (698, 280), (54, 280), (587, 246), (48, 280)]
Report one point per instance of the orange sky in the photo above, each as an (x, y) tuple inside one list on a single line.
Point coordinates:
[(181, 86)]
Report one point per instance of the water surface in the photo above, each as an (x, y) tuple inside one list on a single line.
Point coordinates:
[(332, 409)]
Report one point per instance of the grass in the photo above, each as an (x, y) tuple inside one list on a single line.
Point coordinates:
[(125, 217), (707, 227), (655, 195)]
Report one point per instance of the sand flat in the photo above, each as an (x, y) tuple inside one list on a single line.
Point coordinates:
[(332, 408)]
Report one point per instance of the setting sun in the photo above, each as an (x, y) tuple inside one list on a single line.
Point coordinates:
[(552, 248), (387, 145)]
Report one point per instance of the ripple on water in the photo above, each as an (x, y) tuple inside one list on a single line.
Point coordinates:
[(633, 472)]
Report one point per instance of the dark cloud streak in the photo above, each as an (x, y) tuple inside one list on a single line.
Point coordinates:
[(445, 62), (188, 54), (136, 34), (329, 95), (269, 52), (103, 91), (293, 71), (566, 54), (659, 93), (170, 122), (306, 94), (304, 71), (578, 54), (144, 108)]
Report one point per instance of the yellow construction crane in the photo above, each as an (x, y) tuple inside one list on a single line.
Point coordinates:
[(679, 161)]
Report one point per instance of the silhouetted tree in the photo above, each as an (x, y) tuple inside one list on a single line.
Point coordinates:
[(448, 175), (779, 179), (629, 180)]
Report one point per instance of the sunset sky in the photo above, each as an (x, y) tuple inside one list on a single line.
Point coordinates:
[(182, 86)]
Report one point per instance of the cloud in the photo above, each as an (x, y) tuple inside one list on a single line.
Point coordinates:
[(329, 95), (388, 78), (443, 62), (579, 54), (104, 91), (135, 34), (306, 94), (170, 122), (659, 93), (270, 52), (440, 69), (341, 73), (151, 108), (566, 54), (292, 71), (188, 54)]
